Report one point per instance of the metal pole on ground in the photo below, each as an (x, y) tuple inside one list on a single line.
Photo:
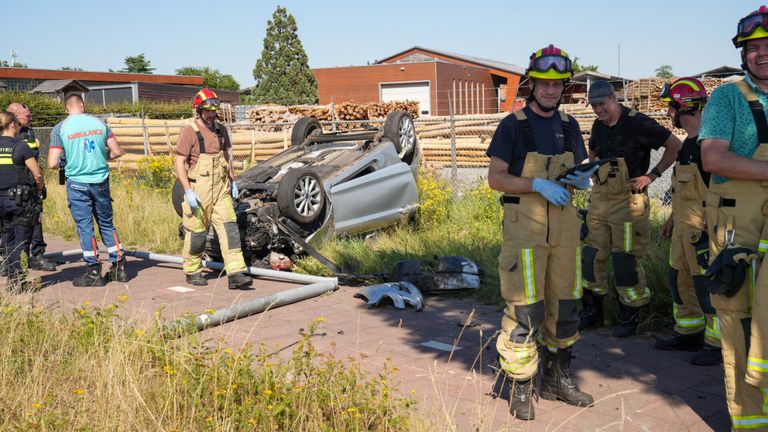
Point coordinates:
[(316, 286)]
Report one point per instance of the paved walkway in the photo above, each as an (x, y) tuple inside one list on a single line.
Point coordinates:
[(442, 362)]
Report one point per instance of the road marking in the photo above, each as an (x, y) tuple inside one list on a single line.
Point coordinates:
[(441, 346), (180, 289)]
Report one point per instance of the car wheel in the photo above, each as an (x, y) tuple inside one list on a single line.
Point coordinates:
[(300, 196), (177, 196), (399, 128), (303, 128)]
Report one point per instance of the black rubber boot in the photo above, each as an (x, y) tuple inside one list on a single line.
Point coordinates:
[(629, 318), (239, 281), (556, 382), (196, 279), (591, 315), (675, 341), (38, 262), (117, 272), (521, 400), (708, 356), (91, 278)]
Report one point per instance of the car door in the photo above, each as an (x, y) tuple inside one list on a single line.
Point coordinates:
[(379, 191)]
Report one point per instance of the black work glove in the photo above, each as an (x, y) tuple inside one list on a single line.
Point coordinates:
[(728, 271)]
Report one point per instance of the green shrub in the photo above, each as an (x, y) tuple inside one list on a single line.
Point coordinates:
[(156, 171), (47, 111)]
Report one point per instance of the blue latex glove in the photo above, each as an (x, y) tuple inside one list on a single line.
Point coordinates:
[(580, 179), (551, 191), (192, 199), (235, 192)]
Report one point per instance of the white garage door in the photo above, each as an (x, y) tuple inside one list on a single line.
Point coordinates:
[(408, 91)]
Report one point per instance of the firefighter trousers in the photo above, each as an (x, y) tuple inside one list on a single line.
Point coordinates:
[(736, 213), (617, 228), (210, 182), (539, 272), (688, 254)]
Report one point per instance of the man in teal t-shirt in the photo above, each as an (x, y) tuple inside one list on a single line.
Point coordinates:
[(87, 145), (734, 148)]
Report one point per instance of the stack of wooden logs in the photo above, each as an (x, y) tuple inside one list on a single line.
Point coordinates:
[(343, 111), (472, 138), (249, 145)]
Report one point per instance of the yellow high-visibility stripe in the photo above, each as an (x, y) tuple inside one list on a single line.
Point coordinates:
[(714, 330), (627, 237), (757, 364), (528, 276), (749, 422), (577, 283)]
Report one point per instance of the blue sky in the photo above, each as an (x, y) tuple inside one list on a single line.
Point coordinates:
[(691, 36)]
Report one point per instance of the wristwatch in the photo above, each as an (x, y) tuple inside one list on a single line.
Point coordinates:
[(655, 171)]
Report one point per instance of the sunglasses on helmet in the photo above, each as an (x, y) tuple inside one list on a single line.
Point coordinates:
[(545, 63), (210, 104), (749, 23)]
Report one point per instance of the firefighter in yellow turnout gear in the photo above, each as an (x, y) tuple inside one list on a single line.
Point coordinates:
[(617, 218), (696, 324), (734, 147), (539, 264), (208, 192)]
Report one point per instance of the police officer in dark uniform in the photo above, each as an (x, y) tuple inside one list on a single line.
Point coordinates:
[(21, 186), (27, 134)]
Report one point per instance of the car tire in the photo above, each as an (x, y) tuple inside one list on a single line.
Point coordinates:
[(303, 128), (177, 197), (300, 196), (400, 129)]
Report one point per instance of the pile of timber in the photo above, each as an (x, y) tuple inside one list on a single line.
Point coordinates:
[(472, 138), (269, 118), (248, 144), (344, 111)]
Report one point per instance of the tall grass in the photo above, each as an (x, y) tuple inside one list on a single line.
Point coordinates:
[(91, 371), (469, 225), (143, 214)]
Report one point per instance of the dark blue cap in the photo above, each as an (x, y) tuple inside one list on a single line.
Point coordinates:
[(599, 91)]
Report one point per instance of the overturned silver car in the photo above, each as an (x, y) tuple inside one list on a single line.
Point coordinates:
[(324, 185)]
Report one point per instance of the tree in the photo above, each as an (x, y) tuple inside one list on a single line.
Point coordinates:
[(211, 77), (282, 73), (579, 68), (4, 63), (137, 64), (664, 71)]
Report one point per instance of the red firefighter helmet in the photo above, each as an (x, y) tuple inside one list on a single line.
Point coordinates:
[(206, 99), (686, 92)]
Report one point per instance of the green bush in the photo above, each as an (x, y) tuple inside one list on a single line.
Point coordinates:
[(46, 111)]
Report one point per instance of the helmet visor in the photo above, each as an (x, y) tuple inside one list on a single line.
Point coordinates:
[(559, 63), (210, 104), (749, 23)]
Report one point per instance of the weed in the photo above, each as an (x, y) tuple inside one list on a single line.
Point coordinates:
[(90, 370)]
